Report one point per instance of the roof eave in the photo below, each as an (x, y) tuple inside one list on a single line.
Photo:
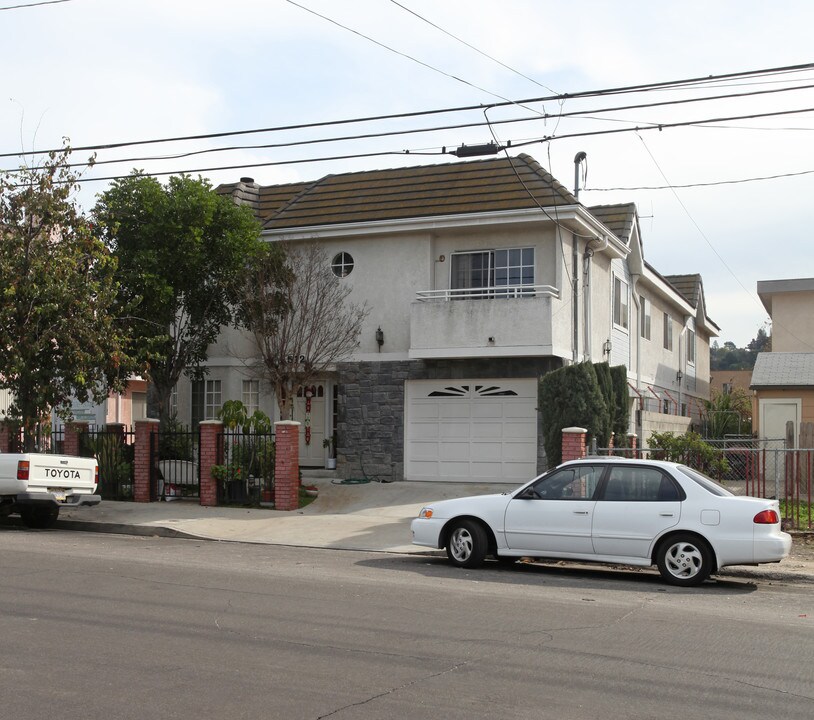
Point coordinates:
[(574, 218)]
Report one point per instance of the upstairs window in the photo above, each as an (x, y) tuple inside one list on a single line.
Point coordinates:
[(668, 332), (342, 264), (493, 273), (691, 346), (206, 400), (644, 305), (620, 302)]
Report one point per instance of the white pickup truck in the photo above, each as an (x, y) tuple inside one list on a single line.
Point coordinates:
[(37, 485)]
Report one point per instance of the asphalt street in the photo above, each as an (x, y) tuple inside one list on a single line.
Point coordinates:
[(99, 626)]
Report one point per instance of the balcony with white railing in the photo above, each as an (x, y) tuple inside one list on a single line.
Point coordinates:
[(500, 321)]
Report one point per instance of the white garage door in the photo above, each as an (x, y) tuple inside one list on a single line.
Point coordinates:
[(471, 430)]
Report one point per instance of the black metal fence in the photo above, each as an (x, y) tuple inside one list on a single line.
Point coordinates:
[(246, 476), (114, 451), (47, 439), (174, 467)]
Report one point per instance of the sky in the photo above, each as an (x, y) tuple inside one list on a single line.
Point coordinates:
[(115, 71)]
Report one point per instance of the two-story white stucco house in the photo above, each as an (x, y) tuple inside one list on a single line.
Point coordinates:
[(481, 276)]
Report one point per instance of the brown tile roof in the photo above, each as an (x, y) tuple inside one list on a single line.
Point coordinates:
[(264, 201), (617, 218), (403, 193), (688, 286)]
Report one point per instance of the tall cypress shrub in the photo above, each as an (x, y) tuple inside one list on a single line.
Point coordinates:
[(621, 410), (603, 376), (570, 397)]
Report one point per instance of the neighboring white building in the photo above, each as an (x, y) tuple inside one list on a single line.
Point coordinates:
[(482, 276)]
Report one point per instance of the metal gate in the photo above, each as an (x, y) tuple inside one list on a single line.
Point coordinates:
[(174, 467)]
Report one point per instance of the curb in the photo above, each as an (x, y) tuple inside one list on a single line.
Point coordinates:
[(125, 529)]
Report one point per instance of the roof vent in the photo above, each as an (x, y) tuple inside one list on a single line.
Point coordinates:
[(247, 180)]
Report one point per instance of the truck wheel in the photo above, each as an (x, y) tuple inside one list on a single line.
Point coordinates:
[(39, 518)]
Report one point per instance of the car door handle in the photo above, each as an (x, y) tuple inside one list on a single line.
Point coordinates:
[(580, 512), (666, 514)]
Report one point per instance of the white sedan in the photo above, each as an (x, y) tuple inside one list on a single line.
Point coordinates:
[(611, 510)]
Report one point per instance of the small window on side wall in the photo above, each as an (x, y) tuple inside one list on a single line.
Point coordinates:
[(342, 264), (620, 302)]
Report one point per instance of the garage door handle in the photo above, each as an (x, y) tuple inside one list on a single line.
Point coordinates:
[(580, 512), (666, 514)]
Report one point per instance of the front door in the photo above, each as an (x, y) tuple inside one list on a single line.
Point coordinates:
[(556, 516), (309, 411)]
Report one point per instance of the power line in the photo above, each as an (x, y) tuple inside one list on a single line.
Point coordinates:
[(35, 4), (708, 241), (586, 114), (672, 84), (399, 52), (469, 45), (661, 126), (703, 184), (514, 145)]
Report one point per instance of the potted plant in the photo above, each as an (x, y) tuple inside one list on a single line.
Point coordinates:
[(330, 443)]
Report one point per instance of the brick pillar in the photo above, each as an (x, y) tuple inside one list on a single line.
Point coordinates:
[(573, 443), (145, 429), (287, 465), (5, 437), (72, 432), (211, 453), (632, 441)]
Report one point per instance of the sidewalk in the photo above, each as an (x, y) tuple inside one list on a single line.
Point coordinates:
[(372, 516)]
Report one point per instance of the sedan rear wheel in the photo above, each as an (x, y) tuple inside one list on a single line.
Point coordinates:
[(467, 544), (684, 560)]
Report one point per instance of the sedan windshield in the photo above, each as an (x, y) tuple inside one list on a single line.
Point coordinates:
[(705, 482)]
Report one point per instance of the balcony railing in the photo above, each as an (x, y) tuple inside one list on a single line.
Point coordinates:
[(490, 293)]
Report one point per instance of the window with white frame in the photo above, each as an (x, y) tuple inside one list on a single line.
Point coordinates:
[(174, 401), (691, 346), (644, 309), (251, 396), (620, 302), (507, 272), (668, 332), (342, 264), (206, 400)]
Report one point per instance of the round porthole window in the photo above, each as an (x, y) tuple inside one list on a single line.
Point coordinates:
[(342, 264)]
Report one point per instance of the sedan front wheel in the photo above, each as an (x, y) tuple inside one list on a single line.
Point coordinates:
[(467, 544)]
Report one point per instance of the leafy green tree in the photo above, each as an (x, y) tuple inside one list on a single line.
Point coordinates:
[(183, 253), (58, 338), (728, 413), (570, 397)]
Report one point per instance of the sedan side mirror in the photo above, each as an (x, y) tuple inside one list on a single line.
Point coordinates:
[(528, 494)]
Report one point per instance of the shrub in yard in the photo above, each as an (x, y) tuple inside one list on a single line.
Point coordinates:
[(691, 450), (570, 397)]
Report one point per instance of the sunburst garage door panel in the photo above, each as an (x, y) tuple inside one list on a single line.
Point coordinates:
[(471, 430)]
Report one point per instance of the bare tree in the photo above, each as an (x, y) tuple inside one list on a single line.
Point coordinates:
[(299, 314)]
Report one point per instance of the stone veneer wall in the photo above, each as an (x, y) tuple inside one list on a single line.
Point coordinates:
[(370, 423)]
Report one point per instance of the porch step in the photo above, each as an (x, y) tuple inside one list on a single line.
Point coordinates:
[(317, 474)]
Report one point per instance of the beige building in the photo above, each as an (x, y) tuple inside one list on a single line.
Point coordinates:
[(783, 379), (480, 276)]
